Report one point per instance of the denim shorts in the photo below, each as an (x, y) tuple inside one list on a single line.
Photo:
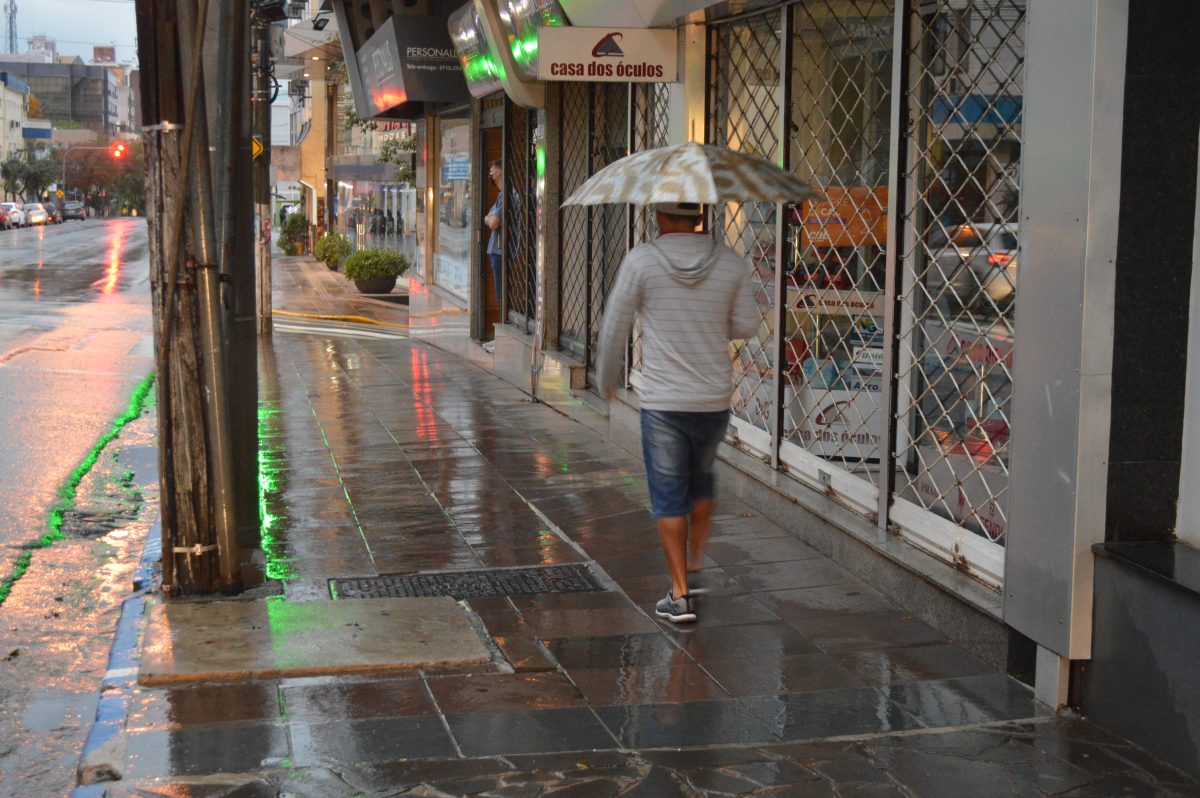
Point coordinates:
[(679, 449)]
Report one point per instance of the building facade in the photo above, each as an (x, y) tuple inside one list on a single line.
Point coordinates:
[(72, 92), (1006, 457), (14, 101)]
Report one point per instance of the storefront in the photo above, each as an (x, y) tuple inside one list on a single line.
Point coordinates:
[(878, 399), (914, 434)]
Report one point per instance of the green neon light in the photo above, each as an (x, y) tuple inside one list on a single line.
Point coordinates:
[(66, 493), (271, 523), (541, 161), (481, 67)]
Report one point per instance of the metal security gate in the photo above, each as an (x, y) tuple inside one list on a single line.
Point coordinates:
[(869, 304), (520, 213), (648, 115), (594, 133)]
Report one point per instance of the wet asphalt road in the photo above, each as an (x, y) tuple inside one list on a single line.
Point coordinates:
[(75, 339)]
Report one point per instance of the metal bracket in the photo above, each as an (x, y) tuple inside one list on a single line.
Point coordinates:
[(196, 550)]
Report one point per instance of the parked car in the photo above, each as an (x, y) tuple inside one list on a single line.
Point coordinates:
[(978, 260), (74, 210), (16, 216), (52, 211), (35, 213)]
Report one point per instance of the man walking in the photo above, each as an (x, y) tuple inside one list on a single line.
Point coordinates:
[(694, 295)]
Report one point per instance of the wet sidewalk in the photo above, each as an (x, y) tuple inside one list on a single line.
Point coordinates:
[(384, 458)]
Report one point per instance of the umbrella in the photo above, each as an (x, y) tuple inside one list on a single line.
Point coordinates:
[(691, 172)]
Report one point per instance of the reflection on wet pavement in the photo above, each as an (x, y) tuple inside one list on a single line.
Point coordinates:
[(387, 457)]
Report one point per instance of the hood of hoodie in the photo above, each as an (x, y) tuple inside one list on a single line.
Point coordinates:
[(687, 257)]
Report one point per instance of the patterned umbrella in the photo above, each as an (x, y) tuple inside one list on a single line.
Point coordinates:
[(691, 173)]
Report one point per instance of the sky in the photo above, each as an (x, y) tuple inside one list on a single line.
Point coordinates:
[(77, 25)]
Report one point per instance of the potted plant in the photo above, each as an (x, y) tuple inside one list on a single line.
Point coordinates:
[(332, 249), (374, 271), (293, 235)]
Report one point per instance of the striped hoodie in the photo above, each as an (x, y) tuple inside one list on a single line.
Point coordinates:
[(694, 296)]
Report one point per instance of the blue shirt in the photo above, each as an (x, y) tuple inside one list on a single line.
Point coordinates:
[(497, 210)]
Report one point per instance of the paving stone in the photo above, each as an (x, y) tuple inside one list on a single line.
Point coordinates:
[(364, 741), (503, 692), (494, 733), (382, 698)]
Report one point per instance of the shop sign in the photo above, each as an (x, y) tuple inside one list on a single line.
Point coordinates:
[(844, 217), (868, 358), (413, 61), (456, 166), (607, 55), (834, 302)]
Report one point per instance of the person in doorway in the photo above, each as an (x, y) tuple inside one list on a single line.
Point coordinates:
[(694, 295), (493, 220)]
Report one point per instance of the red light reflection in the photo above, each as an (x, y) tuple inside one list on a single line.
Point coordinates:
[(426, 420), (388, 98), (113, 272)]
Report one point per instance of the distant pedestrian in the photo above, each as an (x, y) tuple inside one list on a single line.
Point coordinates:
[(282, 215), (694, 295)]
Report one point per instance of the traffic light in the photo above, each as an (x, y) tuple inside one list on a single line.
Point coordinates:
[(117, 150)]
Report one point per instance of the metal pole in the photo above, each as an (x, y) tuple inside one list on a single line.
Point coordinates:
[(892, 281), (262, 173), (779, 341), (236, 237), (200, 201), (330, 117)]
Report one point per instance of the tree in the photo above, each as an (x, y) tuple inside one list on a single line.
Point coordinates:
[(11, 175), (399, 151), (35, 108), (26, 175), (40, 171), (105, 182)]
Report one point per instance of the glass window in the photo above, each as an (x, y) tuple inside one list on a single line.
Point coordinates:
[(452, 250)]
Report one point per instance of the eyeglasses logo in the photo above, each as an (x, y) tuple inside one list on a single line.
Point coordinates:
[(608, 47)]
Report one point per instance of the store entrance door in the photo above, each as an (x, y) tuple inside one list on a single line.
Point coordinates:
[(492, 143)]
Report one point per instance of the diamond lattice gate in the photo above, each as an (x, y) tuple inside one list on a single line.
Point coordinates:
[(881, 373), (520, 232), (594, 133)]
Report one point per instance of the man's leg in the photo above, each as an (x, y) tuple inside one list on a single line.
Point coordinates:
[(673, 532), (497, 279), (698, 523), (708, 430), (665, 449)]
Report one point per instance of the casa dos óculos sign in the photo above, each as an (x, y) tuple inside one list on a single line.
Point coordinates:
[(613, 55)]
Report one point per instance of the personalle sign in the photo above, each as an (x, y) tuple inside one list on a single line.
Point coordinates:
[(612, 55)]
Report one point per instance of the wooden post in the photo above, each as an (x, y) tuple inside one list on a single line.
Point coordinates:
[(185, 346)]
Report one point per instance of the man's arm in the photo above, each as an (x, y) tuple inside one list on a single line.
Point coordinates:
[(744, 316), (622, 306)]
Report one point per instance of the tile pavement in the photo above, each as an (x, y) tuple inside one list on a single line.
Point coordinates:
[(799, 679)]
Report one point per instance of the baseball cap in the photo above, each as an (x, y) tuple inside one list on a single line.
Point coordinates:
[(679, 208)]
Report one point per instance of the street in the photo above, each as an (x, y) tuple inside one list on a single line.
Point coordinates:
[(75, 340)]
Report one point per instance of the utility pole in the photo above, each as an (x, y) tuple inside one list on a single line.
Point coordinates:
[(262, 171), (331, 92), (200, 551), (235, 200)]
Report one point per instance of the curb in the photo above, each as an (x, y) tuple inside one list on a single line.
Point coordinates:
[(104, 749)]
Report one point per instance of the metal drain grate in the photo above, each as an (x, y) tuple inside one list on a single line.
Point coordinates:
[(573, 578)]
